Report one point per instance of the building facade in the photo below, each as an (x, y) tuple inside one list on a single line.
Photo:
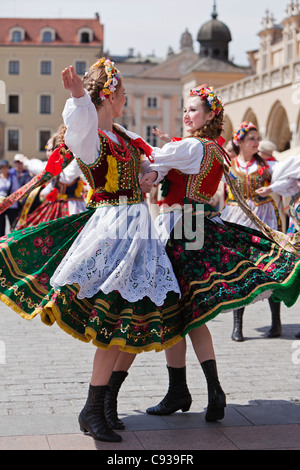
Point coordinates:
[(156, 95), (33, 52), (270, 96)]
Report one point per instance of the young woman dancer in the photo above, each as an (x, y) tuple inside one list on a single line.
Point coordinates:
[(250, 171), (102, 275), (286, 182), (235, 266)]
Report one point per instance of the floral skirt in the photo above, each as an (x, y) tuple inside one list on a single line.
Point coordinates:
[(45, 212), (28, 259), (236, 266)]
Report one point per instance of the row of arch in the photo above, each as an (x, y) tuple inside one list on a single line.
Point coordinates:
[(277, 129)]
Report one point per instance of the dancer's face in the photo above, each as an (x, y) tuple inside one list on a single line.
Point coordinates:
[(249, 144), (195, 114)]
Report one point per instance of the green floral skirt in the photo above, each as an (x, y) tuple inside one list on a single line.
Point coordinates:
[(235, 267), (29, 257)]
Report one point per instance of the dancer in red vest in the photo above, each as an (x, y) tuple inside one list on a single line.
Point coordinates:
[(231, 266)]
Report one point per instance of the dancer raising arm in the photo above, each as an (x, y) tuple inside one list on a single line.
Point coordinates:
[(101, 274)]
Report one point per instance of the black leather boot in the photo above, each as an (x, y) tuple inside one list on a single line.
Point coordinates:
[(92, 418), (178, 396), (216, 396), (110, 401), (275, 330), (237, 332)]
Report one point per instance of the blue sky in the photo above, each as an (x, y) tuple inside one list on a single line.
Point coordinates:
[(153, 26)]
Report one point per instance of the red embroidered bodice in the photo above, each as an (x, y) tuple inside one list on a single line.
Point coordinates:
[(201, 187)]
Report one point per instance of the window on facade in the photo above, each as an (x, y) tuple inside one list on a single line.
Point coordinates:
[(45, 104), (14, 67), (46, 67), (151, 102), (80, 67), (85, 37), (47, 36), (13, 140), (16, 36), (150, 137), (13, 104), (44, 136)]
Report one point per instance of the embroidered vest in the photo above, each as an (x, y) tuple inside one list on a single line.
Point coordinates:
[(247, 185), (110, 177), (201, 187)]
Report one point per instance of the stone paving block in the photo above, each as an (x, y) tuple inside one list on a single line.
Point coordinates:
[(281, 437), (24, 443), (45, 378), (86, 442), (279, 413), (187, 439)]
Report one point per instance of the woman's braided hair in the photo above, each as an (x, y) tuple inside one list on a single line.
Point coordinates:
[(212, 130), (59, 138), (101, 79)]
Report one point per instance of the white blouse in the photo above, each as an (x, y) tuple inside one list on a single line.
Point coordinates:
[(185, 155), (286, 177), (83, 141), (118, 248)]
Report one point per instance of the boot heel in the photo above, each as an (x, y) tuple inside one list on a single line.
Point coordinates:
[(81, 426), (220, 401), (178, 396), (92, 420), (185, 408)]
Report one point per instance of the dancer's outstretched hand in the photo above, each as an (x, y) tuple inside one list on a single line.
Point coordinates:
[(72, 82)]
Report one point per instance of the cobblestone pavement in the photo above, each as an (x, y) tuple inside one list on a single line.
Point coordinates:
[(44, 377)]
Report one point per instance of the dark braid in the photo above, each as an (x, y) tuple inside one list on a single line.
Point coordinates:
[(94, 81), (59, 138)]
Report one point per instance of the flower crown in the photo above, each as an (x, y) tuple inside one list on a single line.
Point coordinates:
[(113, 76), (239, 134), (208, 95)]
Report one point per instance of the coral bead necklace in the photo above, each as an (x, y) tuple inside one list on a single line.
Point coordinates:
[(117, 149)]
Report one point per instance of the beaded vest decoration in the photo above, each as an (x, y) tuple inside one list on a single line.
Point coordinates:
[(247, 184), (202, 187), (115, 172)]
